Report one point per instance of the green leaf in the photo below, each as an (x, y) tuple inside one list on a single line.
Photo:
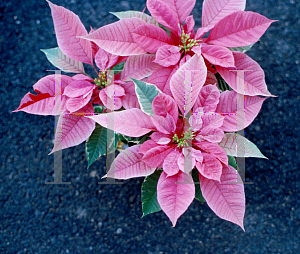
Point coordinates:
[(139, 140), (61, 61), (123, 138), (144, 138), (164, 28), (233, 142), (222, 85), (99, 109), (242, 49), (149, 194), (127, 139), (146, 93), (232, 162), (119, 66), (96, 144), (198, 193), (135, 14)]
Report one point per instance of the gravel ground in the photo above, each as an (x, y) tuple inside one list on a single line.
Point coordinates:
[(86, 217)]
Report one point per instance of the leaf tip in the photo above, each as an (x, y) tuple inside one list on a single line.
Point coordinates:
[(105, 176), (133, 79), (49, 3), (51, 152), (174, 223), (242, 226)]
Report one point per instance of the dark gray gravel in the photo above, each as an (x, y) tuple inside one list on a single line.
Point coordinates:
[(85, 217)]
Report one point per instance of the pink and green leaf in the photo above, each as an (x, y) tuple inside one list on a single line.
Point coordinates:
[(218, 55), (167, 55), (187, 161), (132, 122), (155, 156), (135, 14), (138, 67), (116, 38), (189, 25), (239, 29), (145, 93), (163, 13), (150, 37), (211, 121), (210, 168), (68, 28), (78, 87), (226, 199), (164, 104), (128, 164), (228, 107), (164, 125), (215, 10), (130, 99), (160, 138), (213, 135), (45, 102), (175, 194), (254, 79), (170, 165), (147, 145), (208, 98), (62, 62), (76, 103), (161, 78), (213, 149), (185, 84), (242, 49), (235, 145), (105, 60), (73, 129)]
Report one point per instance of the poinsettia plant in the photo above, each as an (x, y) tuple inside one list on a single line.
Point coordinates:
[(170, 93)]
